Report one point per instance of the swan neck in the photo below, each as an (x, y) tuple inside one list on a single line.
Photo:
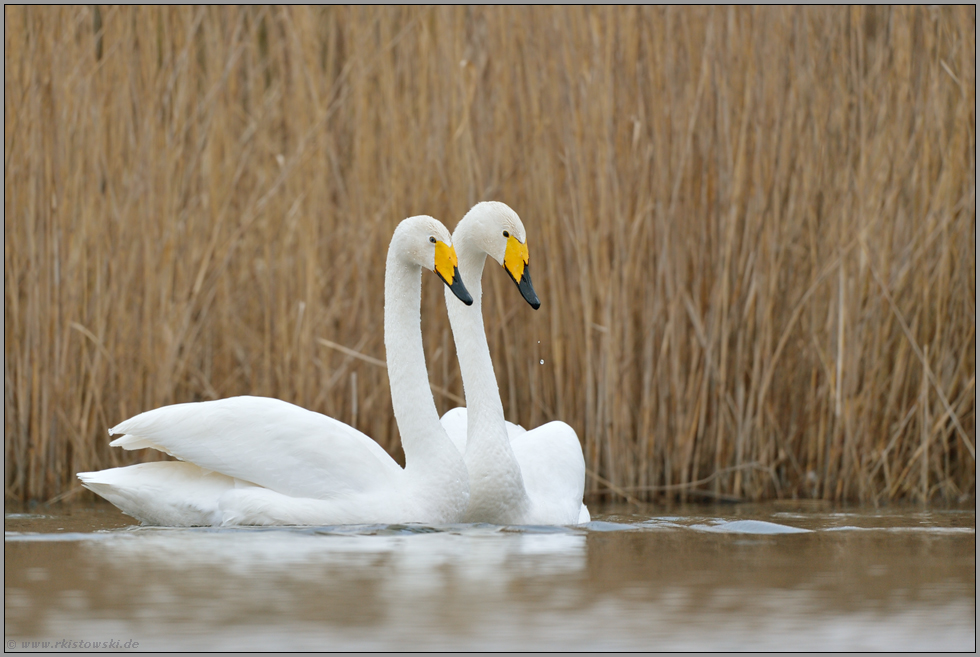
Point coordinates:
[(497, 491), (428, 451), (483, 404)]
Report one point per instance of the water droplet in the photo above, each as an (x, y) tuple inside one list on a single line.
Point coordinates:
[(541, 362)]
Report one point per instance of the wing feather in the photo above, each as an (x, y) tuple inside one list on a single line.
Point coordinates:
[(454, 422), (553, 468), (267, 442)]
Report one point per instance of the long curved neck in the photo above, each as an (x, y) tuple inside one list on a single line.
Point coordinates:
[(483, 406), (431, 460), (489, 456)]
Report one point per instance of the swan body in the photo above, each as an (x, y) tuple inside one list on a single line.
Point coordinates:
[(262, 461), (516, 476)]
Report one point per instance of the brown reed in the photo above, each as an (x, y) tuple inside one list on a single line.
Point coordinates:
[(753, 230)]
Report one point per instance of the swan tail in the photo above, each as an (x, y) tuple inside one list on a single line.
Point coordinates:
[(166, 493)]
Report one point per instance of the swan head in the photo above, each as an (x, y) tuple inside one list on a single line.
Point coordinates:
[(497, 230), (424, 242)]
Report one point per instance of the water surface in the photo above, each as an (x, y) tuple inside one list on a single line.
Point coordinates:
[(765, 577)]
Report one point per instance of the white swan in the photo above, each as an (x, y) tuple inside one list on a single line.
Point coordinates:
[(261, 461), (516, 476)]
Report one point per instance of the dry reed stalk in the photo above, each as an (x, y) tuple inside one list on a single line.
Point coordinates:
[(753, 229)]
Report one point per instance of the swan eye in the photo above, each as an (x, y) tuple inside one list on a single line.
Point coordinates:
[(432, 239), (506, 234)]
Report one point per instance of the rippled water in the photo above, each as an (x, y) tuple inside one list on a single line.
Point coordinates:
[(772, 577)]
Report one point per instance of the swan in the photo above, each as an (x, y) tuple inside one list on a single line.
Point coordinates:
[(262, 461), (516, 476)]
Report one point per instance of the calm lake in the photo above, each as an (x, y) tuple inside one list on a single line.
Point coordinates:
[(789, 576)]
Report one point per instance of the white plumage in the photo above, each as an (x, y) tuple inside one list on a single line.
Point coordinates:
[(516, 476), (261, 461)]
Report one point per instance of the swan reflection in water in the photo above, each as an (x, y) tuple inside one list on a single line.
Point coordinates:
[(409, 579), (473, 554), (679, 582)]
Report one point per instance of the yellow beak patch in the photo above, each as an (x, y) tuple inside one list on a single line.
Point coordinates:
[(446, 262), (515, 258)]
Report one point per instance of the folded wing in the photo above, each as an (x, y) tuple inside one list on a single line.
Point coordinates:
[(553, 468), (454, 422), (267, 442)]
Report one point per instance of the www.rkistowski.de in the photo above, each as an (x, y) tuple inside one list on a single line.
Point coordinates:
[(69, 644)]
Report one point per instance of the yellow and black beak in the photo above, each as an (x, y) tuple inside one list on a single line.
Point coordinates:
[(515, 262), (447, 268)]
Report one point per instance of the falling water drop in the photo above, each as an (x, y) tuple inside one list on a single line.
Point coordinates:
[(541, 362)]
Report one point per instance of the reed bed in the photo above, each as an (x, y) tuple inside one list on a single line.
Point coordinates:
[(753, 230)]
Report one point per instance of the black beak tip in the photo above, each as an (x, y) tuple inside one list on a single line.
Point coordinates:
[(527, 290), (459, 289)]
